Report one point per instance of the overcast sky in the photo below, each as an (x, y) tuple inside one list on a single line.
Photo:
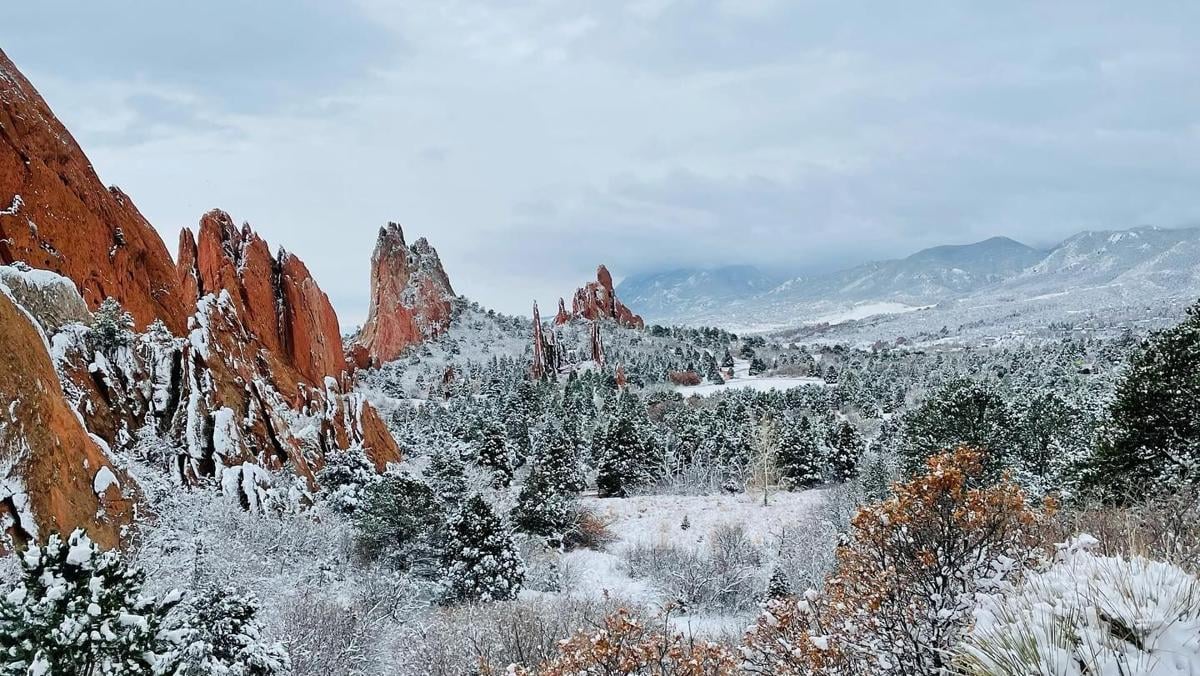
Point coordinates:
[(531, 140)]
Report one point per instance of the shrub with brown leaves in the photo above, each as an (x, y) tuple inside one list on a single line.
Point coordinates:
[(906, 577), (625, 646)]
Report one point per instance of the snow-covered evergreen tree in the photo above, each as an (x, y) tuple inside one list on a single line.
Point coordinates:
[(446, 475), (112, 325), (961, 413), (628, 454), (480, 559), (557, 463), (1154, 434), (223, 636), (399, 520), (78, 610), (846, 448), (778, 587), (345, 477), (799, 457), (493, 453)]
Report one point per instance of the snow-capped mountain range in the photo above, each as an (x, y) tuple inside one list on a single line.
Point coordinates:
[(1091, 270)]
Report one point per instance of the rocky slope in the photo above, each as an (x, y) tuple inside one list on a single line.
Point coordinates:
[(55, 475), (411, 298), (55, 214), (216, 371)]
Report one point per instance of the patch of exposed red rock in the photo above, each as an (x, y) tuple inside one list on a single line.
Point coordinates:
[(597, 300), (411, 298), (55, 476), (55, 214)]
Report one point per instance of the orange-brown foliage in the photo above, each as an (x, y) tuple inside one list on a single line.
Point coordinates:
[(624, 646), (902, 588)]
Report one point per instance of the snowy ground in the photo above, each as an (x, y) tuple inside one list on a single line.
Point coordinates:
[(864, 310), (743, 380), (654, 519)]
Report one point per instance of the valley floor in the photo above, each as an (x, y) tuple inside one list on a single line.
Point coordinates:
[(691, 522)]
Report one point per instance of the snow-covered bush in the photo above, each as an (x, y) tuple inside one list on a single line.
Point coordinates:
[(486, 638), (78, 610), (327, 636), (1160, 526), (1089, 615), (728, 575)]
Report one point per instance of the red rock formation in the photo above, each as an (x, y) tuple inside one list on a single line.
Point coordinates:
[(277, 300), (54, 477), (55, 214), (597, 300), (411, 297), (309, 328), (547, 355), (597, 344), (563, 316), (257, 382)]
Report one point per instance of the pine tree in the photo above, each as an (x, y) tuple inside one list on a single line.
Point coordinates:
[(757, 366), (1154, 433), (224, 636), (961, 413), (846, 450), (629, 458), (799, 455), (399, 520), (112, 326), (543, 510), (713, 375), (480, 559), (778, 587), (876, 479), (446, 475), (493, 453), (557, 461), (727, 360), (345, 477), (77, 610)]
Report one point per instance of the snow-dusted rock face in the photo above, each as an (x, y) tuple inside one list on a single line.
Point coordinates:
[(51, 298), (55, 214), (597, 300), (54, 476), (276, 298), (411, 297)]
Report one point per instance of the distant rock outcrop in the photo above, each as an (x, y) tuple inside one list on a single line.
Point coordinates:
[(55, 214), (411, 297), (597, 300)]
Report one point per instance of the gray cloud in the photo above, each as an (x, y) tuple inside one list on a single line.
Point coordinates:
[(530, 141)]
